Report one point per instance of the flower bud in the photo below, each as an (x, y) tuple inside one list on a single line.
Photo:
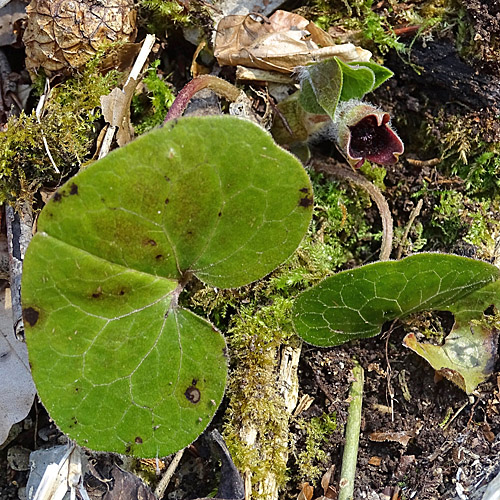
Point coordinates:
[(363, 132)]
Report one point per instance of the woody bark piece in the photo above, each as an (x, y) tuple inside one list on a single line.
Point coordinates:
[(288, 390), (62, 35), (19, 233)]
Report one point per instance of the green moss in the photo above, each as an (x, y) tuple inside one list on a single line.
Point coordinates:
[(374, 174), (150, 108), (313, 460), (67, 124), (447, 216), (255, 338), (160, 14)]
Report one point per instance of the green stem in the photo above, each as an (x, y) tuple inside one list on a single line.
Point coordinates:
[(218, 85), (352, 430)]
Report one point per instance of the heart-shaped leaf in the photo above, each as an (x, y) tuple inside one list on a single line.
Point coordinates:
[(119, 366), (381, 72), (356, 81), (356, 303)]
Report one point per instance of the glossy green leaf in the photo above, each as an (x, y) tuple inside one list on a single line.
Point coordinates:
[(468, 355), (118, 364), (356, 81), (324, 84), (356, 303), (381, 72)]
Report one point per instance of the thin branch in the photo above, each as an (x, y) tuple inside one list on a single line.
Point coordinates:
[(352, 431), (413, 215), (129, 88), (163, 484), (376, 195)]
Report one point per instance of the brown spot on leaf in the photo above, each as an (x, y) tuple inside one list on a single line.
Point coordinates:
[(304, 190), (73, 189), (97, 293), (121, 292), (149, 242), (30, 315), (193, 394), (219, 214), (57, 196), (167, 201), (306, 202), (159, 257), (138, 440)]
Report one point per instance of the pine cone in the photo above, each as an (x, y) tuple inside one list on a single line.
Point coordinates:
[(64, 34)]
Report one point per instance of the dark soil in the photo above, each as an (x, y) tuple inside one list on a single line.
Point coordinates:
[(436, 439)]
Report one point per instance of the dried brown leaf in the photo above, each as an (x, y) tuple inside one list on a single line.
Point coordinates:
[(279, 43), (306, 492), (402, 437)]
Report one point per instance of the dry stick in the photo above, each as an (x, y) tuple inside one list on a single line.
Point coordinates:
[(19, 233), (352, 430), (375, 194), (134, 75), (163, 484), (413, 215)]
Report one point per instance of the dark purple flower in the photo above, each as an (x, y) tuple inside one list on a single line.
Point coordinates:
[(363, 132)]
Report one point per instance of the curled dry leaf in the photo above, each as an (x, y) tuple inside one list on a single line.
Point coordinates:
[(306, 492), (278, 43), (364, 132)]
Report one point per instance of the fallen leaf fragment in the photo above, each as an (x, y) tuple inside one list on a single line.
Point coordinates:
[(329, 491), (278, 43), (400, 437), (17, 389), (376, 461), (306, 493), (127, 486), (469, 352), (65, 34)]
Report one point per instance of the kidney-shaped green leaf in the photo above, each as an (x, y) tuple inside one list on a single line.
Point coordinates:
[(118, 365), (355, 304)]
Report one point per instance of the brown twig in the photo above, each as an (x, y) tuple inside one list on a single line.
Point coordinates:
[(327, 166)]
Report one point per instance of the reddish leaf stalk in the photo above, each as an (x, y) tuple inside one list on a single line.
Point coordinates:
[(218, 85)]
